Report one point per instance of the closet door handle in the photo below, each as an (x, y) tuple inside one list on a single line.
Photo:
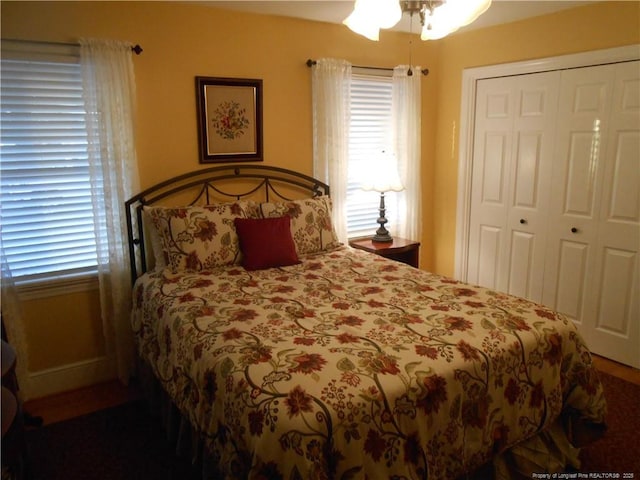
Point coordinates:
[(574, 230), (523, 221)]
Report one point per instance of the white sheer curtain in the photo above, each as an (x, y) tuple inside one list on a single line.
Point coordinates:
[(407, 125), (13, 323), (109, 90), (331, 85)]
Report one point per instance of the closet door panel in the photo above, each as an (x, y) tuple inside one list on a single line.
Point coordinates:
[(623, 196), (496, 148), (513, 145), (615, 303), (530, 173), (489, 220), (521, 264), (581, 161), (489, 255), (616, 327), (571, 279), (492, 147), (527, 174), (576, 186)]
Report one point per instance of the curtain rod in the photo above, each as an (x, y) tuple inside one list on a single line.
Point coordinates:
[(137, 49), (424, 71)]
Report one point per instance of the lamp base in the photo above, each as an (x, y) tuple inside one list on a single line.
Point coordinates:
[(382, 234), (384, 238)]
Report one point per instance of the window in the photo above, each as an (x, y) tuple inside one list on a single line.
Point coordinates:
[(370, 133), (47, 214)]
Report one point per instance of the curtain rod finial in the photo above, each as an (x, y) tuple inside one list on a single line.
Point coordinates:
[(137, 49)]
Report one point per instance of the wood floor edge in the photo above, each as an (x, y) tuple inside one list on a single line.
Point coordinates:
[(65, 405), (616, 369)]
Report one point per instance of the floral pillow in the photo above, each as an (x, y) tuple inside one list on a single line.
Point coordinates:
[(250, 208), (153, 242), (198, 237), (311, 225)]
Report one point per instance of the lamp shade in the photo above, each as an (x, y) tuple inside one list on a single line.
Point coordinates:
[(383, 175)]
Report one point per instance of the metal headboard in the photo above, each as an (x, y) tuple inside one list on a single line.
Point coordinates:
[(214, 185)]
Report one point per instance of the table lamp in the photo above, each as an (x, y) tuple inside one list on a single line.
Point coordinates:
[(383, 178)]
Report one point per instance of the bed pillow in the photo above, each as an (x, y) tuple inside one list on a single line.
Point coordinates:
[(250, 208), (153, 243), (198, 238), (311, 226), (266, 242)]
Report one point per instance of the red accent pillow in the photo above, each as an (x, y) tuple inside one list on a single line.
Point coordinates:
[(266, 242)]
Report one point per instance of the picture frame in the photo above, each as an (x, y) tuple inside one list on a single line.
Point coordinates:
[(229, 119)]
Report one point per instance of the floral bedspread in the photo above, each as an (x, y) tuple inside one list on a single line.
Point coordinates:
[(350, 365)]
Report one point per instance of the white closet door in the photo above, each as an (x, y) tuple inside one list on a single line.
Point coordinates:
[(513, 147), (592, 266), (585, 100), (616, 327)]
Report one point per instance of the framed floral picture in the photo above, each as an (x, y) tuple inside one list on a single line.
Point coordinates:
[(229, 119)]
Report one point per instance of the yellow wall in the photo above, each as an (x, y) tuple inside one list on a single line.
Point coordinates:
[(184, 40), (63, 329)]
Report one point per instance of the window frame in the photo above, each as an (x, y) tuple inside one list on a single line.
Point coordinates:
[(369, 201), (70, 280)]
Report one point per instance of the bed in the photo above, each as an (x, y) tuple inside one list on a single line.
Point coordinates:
[(290, 355)]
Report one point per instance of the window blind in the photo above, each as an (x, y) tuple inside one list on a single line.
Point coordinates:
[(370, 133), (45, 194)]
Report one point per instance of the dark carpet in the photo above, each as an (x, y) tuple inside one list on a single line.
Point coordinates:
[(127, 443), (119, 443), (619, 450)]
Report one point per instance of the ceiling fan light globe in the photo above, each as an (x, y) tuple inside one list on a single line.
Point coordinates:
[(389, 13), (434, 33), (363, 20), (361, 26), (443, 21), (464, 12), (442, 17)]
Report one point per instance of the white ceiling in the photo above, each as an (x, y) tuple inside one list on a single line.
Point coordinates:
[(334, 11)]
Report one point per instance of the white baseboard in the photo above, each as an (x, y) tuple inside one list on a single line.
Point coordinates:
[(69, 377)]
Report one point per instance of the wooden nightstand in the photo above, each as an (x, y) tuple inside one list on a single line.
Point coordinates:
[(400, 249)]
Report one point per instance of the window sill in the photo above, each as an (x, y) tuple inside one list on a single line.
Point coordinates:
[(56, 286)]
